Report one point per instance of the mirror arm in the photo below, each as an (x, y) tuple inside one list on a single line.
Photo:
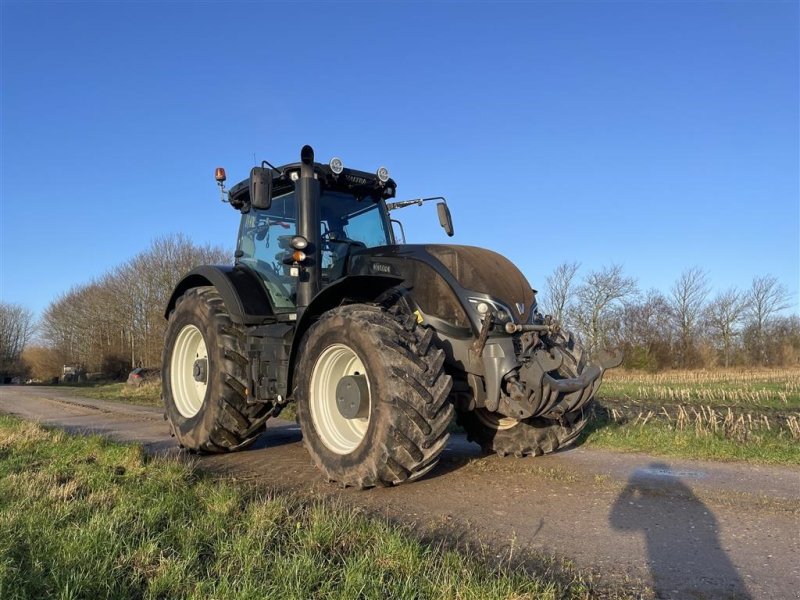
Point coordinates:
[(415, 202)]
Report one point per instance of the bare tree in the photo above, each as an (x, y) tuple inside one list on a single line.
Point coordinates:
[(645, 332), (44, 363), (16, 329), (601, 294), (766, 297), (119, 318), (559, 290), (723, 315), (687, 299)]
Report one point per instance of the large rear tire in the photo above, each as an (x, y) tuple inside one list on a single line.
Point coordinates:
[(204, 377), (535, 436), (403, 411)]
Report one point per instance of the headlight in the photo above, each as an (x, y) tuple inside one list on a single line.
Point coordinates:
[(484, 306)]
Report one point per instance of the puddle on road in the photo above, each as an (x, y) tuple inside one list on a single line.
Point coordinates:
[(675, 473)]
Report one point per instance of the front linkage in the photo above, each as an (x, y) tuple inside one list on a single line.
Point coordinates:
[(548, 381)]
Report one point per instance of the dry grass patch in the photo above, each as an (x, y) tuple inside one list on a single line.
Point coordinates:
[(766, 388)]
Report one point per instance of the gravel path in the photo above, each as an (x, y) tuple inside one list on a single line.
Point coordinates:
[(686, 529)]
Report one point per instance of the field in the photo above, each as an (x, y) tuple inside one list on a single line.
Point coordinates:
[(722, 414), (731, 414), (757, 389), (82, 517)]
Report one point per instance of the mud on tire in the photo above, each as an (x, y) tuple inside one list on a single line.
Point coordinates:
[(530, 437), (534, 436), (225, 421), (409, 412)]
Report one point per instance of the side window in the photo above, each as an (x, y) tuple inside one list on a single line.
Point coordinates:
[(263, 240)]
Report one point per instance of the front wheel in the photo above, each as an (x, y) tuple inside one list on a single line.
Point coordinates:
[(372, 396), (535, 436), (204, 377), (503, 435)]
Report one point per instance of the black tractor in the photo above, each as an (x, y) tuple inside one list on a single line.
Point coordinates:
[(378, 343)]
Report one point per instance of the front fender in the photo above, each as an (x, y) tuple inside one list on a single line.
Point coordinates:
[(347, 290)]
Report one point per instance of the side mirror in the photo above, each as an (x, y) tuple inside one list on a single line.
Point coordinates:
[(261, 188), (445, 220)]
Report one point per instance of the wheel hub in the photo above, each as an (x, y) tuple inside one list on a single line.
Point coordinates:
[(200, 370), (339, 399), (352, 396), (189, 371)]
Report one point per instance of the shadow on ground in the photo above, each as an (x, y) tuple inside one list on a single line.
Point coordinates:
[(675, 533)]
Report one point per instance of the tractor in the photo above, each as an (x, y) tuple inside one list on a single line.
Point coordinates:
[(378, 343)]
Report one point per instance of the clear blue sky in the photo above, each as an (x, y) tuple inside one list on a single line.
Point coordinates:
[(658, 135)]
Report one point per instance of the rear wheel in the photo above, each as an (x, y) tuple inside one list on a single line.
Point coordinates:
[(205, 379), (496, 433), (372, 396)]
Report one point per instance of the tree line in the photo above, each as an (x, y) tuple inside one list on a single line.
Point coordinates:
[(116, 322), (686, 327)]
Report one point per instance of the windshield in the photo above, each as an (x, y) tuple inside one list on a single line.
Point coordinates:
[(347, 224), (345, 217)]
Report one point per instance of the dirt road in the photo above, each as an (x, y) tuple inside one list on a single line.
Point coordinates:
[(687, 529)]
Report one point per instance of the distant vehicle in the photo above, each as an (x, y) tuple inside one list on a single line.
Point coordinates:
[(72, 374), (140, 375)]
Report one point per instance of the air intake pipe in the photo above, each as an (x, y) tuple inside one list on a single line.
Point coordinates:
[(307, 191)]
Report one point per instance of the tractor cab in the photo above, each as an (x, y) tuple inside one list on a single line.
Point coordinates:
[(302, 222), (347, 224)]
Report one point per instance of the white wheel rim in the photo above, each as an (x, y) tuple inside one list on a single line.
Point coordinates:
[(187, 393), (339, 434), (495, 420)]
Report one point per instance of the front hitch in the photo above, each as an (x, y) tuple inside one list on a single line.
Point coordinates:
[(534, 392)]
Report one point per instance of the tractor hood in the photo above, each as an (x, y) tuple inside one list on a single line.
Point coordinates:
[(487, 272), (442, 278)]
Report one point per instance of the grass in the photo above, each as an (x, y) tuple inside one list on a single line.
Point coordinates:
[(83, 517), (724, 414), (657, 436), (147, 394)]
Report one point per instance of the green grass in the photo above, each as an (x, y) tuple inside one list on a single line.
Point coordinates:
[(659, 437), (82, 517), (759, 396), (147, 394)]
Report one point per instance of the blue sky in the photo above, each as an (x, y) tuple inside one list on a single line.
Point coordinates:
[(658, 135)]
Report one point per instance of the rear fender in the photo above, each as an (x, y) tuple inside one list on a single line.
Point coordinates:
[(244, 295)]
